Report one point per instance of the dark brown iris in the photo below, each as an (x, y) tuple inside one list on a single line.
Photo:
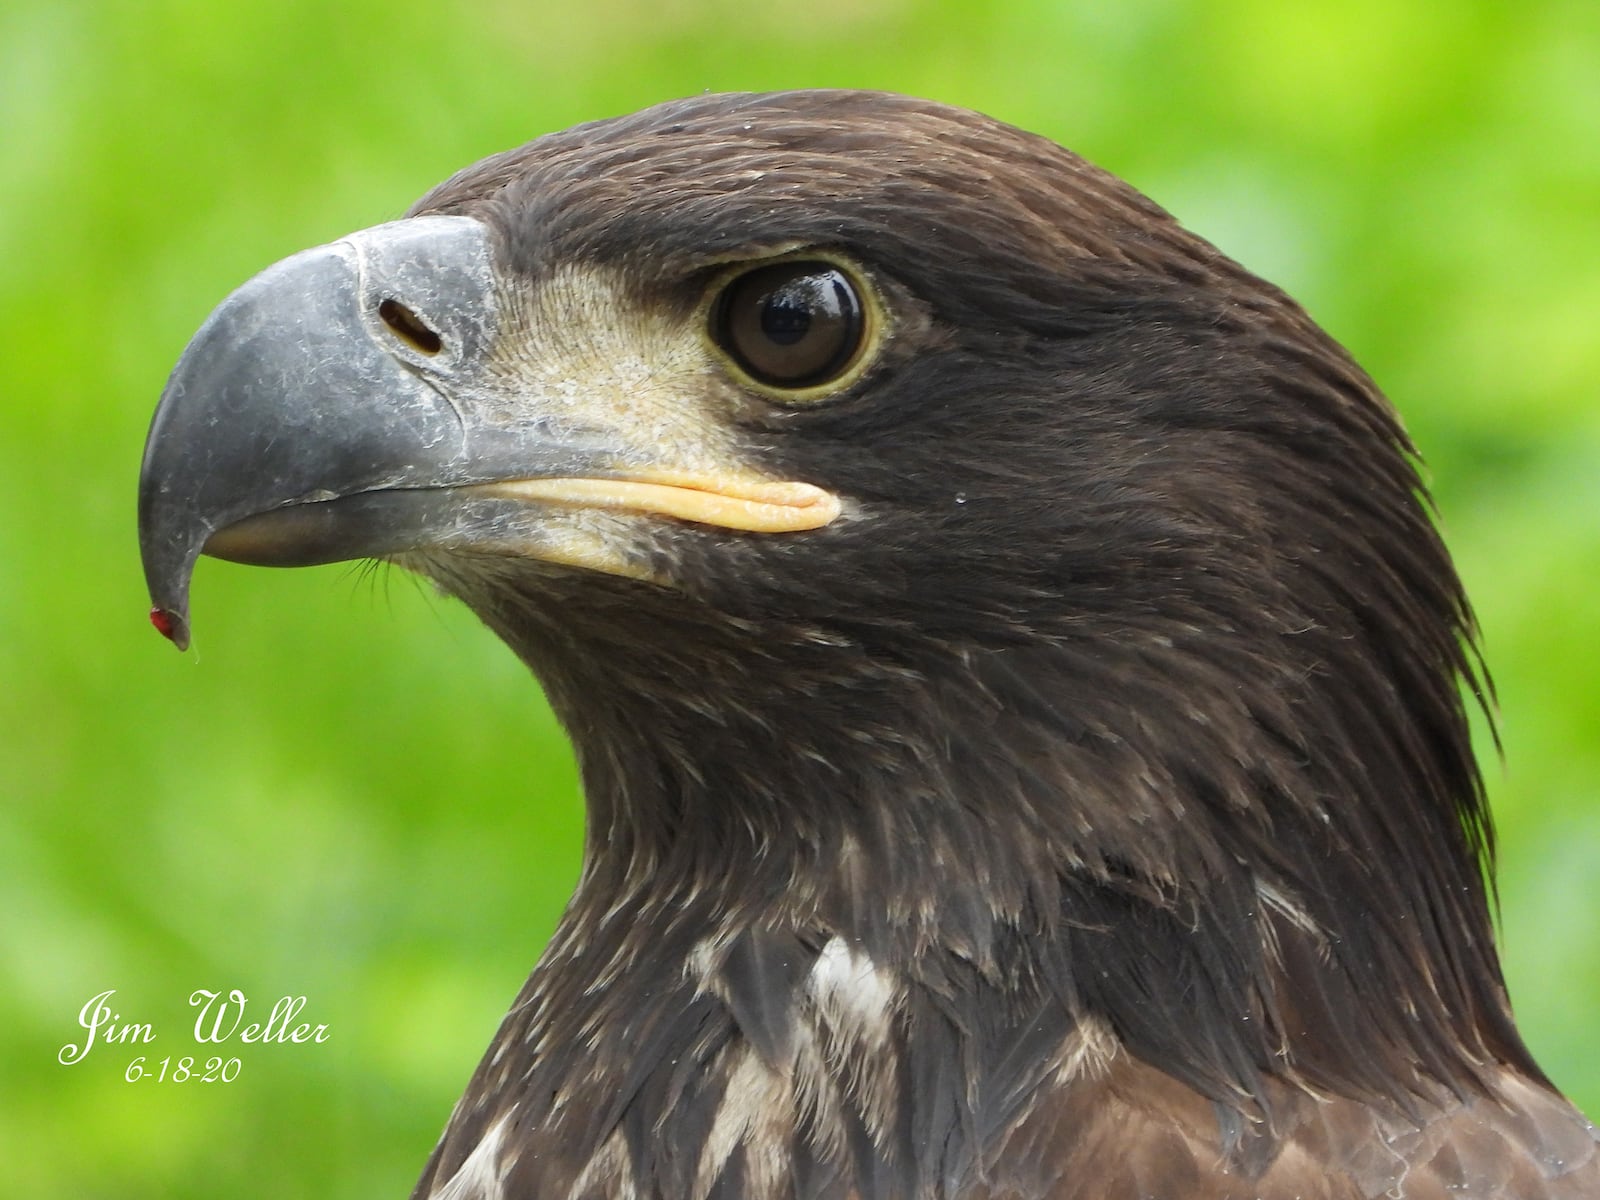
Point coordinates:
[(791, 324)]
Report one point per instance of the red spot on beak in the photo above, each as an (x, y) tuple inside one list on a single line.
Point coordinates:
[(162, 620)]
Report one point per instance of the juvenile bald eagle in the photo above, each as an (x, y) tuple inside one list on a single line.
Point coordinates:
[(1013, 671)]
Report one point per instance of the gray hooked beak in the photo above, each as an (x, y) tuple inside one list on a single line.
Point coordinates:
[(310, 419)]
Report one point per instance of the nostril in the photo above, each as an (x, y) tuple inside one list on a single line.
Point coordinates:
[(409, 327)]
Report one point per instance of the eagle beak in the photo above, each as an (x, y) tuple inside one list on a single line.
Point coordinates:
[(346, 403)]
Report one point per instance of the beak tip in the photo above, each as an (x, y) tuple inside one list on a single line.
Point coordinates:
[(171, 625)]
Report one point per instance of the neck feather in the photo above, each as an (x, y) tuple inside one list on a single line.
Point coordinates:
[(944, 875)]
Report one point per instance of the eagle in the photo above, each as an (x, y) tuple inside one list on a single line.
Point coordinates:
[(1020, 694)]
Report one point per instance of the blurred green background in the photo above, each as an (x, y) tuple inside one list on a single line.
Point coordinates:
[(350, 792)]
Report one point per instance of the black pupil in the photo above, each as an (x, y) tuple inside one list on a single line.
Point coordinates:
[(786, 315), (791, 324)]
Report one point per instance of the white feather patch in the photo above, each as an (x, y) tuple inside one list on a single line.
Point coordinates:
[(755, 1111), (1086, 1053), (482, 1175), (852, 994), (609, 1173), (855, 1004)]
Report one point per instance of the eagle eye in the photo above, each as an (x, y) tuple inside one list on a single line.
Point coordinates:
[(791, 325)]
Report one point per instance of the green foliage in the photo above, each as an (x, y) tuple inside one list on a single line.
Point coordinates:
[(350, 792)]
